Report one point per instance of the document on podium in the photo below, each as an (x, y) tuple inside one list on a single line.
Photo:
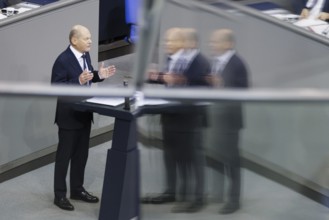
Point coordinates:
[(320, 29), (116, 101), (309, 22), (110, 101)]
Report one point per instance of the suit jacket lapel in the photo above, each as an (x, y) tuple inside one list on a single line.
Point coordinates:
[(72, 60)]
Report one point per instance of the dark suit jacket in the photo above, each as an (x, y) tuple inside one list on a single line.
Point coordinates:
[(234, 75), (66, 70), (197, 70), (326, 6), (3, 3), (195, 73), (228, 116)]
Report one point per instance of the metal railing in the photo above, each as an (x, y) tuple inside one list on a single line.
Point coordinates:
[(149, 24), (38, 11)]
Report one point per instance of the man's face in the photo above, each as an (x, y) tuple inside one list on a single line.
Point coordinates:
[(218, 45), (82, 41), (173, 42)]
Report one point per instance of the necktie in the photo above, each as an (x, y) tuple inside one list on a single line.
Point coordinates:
[(84, 61), (85, 64)]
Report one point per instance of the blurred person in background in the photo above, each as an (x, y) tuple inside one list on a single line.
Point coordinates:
[(228, 71), (174, 45), (316, 9), (297, 6), (182, 126), (191, 160)]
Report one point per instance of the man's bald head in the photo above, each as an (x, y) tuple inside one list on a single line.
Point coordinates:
[(191, 38), (222, 40), (80, 38), (174, 40)]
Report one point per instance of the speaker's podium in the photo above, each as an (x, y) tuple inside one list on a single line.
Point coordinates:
[(120, 195), (121, 188)]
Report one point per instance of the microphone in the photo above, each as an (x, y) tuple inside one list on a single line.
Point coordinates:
[(127, 101)]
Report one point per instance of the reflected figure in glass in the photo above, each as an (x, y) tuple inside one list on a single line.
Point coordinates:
[(228, 71), (182, 125), (316, 9)]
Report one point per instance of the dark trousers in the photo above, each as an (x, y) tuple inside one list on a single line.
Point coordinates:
[(183, 155), (73, 148), (232, 172), (228, 163)]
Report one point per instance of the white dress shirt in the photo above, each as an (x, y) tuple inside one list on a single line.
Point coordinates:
[(78, 55), (315, 7), (221, 61), (174, 58), (189, 56)]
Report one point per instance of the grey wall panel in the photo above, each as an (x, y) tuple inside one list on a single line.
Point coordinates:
[(29, 47), (26, 126)]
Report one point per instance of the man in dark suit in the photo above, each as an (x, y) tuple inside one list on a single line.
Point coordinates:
[(73, 67), (297, 6), (174, 45), (182, 126), (228, 71)]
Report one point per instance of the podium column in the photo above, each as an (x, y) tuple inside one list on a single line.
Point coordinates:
[(120, 196)]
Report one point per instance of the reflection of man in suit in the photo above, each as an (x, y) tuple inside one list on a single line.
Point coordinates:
[(228, 71), (73, 67), (174, 45), (182, 129), (316, 9), (185, 65)]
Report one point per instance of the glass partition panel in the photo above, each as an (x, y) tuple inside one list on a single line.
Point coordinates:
[(276, 54), (252, 160), (264, 158)]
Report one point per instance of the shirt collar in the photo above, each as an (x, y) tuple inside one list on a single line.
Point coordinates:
[(190, 53), (76, 53), (225, 57), (177, 55)]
